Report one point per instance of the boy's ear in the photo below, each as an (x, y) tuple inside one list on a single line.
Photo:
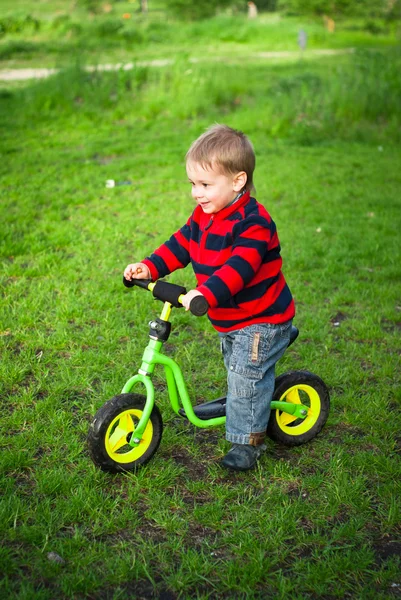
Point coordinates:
[(239, 181)]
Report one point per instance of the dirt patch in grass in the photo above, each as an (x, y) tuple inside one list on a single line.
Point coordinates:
[(281, 453), (343, 435), (194, 468), (198, 536), (208, 437), (193, 500), (391, 326), (306, 524), (24, 482), (387, 548), (338, 319), (138, 590), (335, 435), (144, 528), (294, 490)]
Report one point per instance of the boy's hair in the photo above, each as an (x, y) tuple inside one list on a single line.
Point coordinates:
[(225, 148)]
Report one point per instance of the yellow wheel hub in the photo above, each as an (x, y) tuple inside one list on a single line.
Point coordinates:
[(299, 394), (119, 433)]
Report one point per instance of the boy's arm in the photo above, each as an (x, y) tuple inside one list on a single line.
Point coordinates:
[(248, 252), (172, 255)]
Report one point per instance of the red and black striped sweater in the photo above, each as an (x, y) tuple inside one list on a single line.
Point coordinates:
[(235, 254)]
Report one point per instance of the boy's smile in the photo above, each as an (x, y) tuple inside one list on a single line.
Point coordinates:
[(212, 189)]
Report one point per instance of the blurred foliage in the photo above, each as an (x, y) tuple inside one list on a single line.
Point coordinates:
[(363, 8), (93, 6), (18, 24), (100, 6), (201, 9)]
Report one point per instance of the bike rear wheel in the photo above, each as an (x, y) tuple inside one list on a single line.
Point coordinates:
[(112, 429), (299, 387)]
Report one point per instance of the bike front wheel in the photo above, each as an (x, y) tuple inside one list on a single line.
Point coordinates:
[(111, 431), (299, 387)]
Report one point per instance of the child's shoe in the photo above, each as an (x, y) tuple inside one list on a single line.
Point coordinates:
[(242, 457)]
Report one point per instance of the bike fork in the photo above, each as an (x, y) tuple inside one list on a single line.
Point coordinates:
[(144, 377)]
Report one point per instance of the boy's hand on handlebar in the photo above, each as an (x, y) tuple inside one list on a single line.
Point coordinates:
[(186, 300), (137, 271)]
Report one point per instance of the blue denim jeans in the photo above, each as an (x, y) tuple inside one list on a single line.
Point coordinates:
[(250, 355)]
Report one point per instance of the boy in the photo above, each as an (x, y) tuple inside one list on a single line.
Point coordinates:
[(232, 243)]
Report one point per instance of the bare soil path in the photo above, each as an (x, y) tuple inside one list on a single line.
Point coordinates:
[(24, 74)]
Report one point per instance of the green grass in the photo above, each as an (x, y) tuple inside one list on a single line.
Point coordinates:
[(319, 521)]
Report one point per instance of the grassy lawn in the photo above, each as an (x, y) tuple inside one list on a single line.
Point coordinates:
[(318, 521)]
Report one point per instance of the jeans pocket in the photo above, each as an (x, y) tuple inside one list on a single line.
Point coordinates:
[(251, 351)]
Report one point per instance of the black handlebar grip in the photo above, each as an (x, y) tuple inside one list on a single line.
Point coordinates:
[(128, 282), (199, 306), (143, 283)]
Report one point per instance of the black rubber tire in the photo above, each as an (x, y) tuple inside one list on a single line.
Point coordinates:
[(105, 458), (294, 433)]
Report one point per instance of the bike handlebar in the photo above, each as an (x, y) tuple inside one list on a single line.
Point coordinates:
[(143, 283), (170, 292)]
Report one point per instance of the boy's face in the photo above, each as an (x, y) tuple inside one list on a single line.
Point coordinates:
[(212, 189)]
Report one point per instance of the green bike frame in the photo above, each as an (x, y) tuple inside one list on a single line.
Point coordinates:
[(177, 389)]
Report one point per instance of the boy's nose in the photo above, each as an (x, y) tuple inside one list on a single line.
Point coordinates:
[(196, 193)]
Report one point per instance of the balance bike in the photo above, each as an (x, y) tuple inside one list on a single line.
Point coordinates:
[(126, 431)]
